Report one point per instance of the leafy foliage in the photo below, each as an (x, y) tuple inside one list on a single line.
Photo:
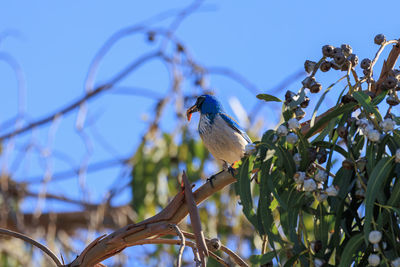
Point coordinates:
[(309, 218)]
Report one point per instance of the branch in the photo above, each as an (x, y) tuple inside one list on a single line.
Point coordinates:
[(157, 225), (70, 222), (87, 96), (27, 239)]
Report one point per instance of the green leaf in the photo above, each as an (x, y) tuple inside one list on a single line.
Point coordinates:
[(365, 102), (262, 259), (376, 179), (331, 115), (272, 188), (324, 144), (350, 249), (379, 98), (268, 98), (304, 152), (244, 191)]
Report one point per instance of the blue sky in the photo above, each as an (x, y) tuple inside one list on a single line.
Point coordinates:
[(265, 41)]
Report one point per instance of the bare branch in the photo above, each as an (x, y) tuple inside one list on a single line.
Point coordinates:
[(29, 240), (63, 111), (157, 225)]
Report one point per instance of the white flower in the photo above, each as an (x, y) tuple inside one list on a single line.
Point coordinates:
[(396, 262), (297, 158), (292, 138), (318, 263), (331, 191), (373, 136), (374, 260), (397, 159), (299, 177), (321, 176), (387, 125), (309, 185), (293, 123), (321, 197), (282, 130), (375, 237), (250, 148), (367, 129)]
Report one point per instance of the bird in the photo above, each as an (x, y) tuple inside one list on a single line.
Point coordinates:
[(221, 134)]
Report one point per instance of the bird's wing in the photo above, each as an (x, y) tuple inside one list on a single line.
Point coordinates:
[(235, 126)]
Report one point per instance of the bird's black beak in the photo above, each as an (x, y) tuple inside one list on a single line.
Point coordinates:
[(194, 108)]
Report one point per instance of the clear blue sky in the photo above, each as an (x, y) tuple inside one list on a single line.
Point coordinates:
[(265, 41)]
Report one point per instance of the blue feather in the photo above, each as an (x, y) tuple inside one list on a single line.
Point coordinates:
[(235, 126)]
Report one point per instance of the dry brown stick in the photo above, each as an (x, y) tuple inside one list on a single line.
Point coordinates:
[(387, 66), (183, 243), (236, 258), (43, 248), (177, 242), (157, 225), (195, 219)]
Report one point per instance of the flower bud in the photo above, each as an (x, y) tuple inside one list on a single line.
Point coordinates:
[(374, 260), (374, 237)]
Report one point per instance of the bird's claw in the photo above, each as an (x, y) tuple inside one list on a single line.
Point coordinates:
[(231, 170), (211, 180)]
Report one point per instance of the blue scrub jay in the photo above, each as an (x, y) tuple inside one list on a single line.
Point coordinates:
[(221, 134)]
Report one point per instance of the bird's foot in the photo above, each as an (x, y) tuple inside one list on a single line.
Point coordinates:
[(231, 170), (213, 177)]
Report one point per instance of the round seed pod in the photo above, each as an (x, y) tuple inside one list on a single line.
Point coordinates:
[(337, 50), (215, 243), (390, 82), (289, 96), (309, 66), (322, 156), (327, 50), (312, 154), (151, 36), (339, 58), (365, 63), (316, 88), (342, 131), (379, 39), (371, 94), (347, 99), (325, 66), (308, 82), (347, 164), (346, 49), (305, 103), (353, 59), (180, 47), (392, 101)]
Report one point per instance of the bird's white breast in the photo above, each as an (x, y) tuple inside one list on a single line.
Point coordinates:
[(223, 142)]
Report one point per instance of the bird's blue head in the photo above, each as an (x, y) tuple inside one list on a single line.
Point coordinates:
[(206, 104)]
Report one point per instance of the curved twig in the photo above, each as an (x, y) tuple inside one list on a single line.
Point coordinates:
[(177, 242), (89, 95), (29, 240)]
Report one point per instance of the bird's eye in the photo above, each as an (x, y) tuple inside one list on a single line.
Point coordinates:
[(200, 101)]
